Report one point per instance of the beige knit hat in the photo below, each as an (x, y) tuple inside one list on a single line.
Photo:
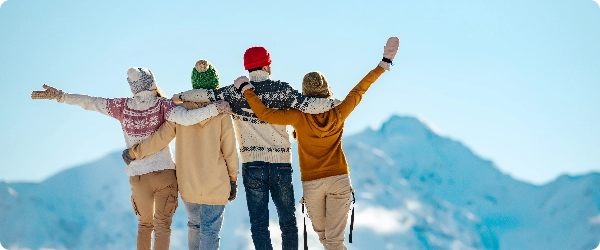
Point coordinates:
[(140, 79), (315, 84)]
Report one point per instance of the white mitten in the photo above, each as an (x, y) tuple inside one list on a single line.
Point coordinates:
[(49, 94), (223, 107), (242, 84), (389, 52)]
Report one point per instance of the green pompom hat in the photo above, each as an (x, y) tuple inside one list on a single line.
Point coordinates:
[(204, 76)]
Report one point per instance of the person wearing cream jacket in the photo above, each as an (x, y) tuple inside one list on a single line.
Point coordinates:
[(206, 163)]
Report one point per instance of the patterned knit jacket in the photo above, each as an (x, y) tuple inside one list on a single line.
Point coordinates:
[(258, 140), (140, 116)]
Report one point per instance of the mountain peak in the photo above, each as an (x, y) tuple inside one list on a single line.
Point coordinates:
[(407, 125)]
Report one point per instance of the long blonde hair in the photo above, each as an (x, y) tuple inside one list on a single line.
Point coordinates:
[(159, 92)]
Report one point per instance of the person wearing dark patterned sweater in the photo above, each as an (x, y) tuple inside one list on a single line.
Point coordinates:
[(265, 148)]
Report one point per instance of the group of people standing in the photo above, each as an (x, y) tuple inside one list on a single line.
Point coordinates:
[(206, 122)]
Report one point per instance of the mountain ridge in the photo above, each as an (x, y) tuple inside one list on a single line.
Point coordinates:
[(415, 189)]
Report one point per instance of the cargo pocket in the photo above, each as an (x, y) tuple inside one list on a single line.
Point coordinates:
[(171, 201), (171, 204)]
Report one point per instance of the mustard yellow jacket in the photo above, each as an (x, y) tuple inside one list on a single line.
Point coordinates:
[(319, 136)]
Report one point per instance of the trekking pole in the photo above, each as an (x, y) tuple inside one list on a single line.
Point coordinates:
[(351, 219), (305, 236)]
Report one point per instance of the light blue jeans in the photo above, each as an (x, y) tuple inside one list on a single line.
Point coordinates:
[(204, 225)]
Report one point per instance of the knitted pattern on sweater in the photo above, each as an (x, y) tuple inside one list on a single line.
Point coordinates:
[(140, 116), (258, 140), (319, 135)]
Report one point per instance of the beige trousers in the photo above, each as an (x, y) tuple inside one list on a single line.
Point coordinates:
[(154, 200), (328, 203)]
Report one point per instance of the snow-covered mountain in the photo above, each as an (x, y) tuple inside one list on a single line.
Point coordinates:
[(414, 190)]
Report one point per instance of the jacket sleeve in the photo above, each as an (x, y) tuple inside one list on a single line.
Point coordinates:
[(355, 95), (275, 116), (228, 148), (186, 117), (200, 95), (105, 106), (156, 142), (309, 105)]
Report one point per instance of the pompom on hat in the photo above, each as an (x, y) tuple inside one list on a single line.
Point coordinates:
[(140, 79), (256, 57), (204, 75), (315, 84)]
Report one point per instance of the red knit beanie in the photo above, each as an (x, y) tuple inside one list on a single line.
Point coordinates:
[(256, 57)]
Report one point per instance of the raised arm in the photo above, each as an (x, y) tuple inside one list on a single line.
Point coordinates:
[(156, 142), (105, 106), (355, 95), (186, 117)]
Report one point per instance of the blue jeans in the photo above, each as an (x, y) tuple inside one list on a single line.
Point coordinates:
[(260, 178), (204, 225)]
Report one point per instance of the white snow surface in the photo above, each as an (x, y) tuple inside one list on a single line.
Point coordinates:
[(414, 189)]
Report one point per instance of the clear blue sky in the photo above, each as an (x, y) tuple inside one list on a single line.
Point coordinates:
[(516, 81)]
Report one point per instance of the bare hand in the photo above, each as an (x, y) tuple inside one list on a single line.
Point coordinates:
[(176, 99)]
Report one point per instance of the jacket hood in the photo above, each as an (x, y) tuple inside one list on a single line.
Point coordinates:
[(324, 124)]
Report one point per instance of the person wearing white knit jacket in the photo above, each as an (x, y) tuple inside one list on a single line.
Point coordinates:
[(324, 172), (153, 181)]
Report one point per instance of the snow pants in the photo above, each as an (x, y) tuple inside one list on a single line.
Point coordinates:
[(154, 200), (328, 202)]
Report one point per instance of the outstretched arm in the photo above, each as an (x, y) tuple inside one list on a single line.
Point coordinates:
[(109, 107), (156, 142), (275, 116), (310, 105), (186, 117), (197, 95)]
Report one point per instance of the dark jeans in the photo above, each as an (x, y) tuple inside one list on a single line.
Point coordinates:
[(259, 179)]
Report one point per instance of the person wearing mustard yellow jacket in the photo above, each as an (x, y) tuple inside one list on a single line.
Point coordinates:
[(323, 168)]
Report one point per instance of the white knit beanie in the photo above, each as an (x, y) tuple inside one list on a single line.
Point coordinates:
[(140, 79)]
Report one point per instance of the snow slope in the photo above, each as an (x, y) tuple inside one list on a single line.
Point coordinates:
[(414, 190)]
